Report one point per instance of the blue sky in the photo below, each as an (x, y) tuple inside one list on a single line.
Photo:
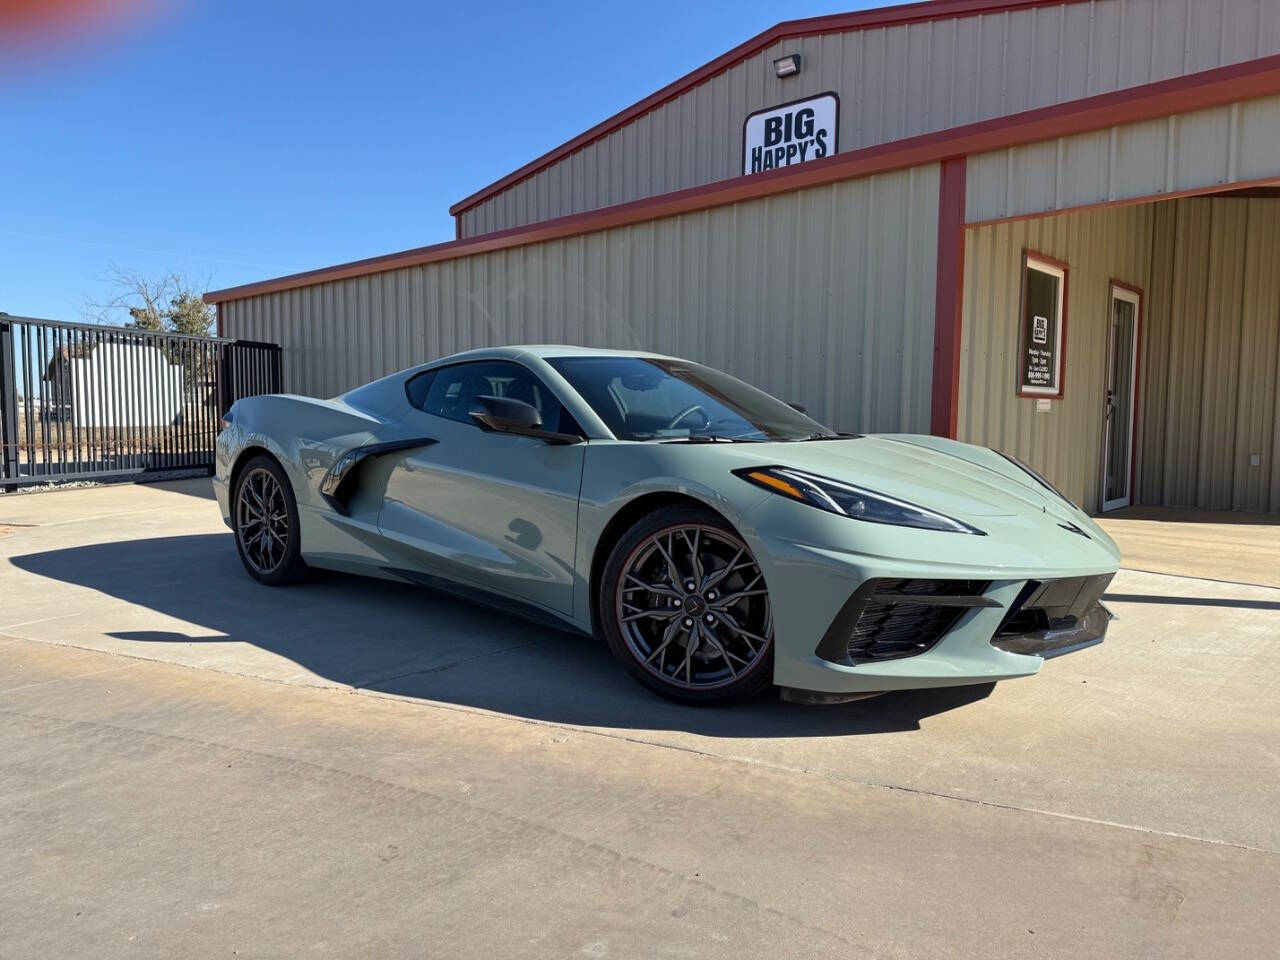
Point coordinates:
[(241, 140)]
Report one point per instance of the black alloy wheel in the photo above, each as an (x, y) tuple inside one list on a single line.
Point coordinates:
[(685, 607), (265, 518)]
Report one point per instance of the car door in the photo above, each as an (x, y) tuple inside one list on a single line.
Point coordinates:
[(494, 511)]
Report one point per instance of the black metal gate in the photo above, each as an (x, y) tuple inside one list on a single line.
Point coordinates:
[(86, 402)]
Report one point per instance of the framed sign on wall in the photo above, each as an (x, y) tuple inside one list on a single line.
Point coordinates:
[(1042, 326), (790, 133)]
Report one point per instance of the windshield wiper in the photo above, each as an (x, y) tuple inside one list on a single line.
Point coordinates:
[(712, 438), (826, 436)]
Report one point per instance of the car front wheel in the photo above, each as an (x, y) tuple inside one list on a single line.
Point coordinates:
[(683, 604)]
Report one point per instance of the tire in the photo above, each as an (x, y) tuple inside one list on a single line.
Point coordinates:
[(649, 629), (265, 558)]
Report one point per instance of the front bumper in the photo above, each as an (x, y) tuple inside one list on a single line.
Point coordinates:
[(811, 581), (1061, 637)]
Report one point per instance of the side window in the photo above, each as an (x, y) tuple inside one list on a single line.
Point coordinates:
[(453, 390)]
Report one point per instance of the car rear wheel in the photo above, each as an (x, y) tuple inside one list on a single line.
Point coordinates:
[(683, 604), (265, 515)]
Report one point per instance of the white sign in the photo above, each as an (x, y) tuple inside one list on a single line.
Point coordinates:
[(791, 133)]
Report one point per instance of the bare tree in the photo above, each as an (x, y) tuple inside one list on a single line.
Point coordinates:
[(169, 302)]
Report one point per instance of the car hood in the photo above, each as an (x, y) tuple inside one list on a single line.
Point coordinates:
[(949, 477)]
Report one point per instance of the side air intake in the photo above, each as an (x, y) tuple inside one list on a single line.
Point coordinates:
[(338, 485)]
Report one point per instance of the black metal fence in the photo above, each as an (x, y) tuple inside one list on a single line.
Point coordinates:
[(86, 402)]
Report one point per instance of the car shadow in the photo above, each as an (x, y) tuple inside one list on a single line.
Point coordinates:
[(410, 641)]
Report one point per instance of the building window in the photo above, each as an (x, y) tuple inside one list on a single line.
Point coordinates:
[(1042, 327)]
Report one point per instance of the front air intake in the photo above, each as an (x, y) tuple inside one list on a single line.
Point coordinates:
[(891, 619)]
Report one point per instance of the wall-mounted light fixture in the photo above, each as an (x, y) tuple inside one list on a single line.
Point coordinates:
[(788, 65)]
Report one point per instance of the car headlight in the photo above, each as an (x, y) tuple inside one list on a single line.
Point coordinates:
[(1038, 478), (846, 500)]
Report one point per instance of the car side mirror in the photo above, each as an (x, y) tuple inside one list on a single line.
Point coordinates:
[(799, 407), (507, 415)]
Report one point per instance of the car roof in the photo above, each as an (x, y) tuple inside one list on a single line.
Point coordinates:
[(543, 351), (566, 350)]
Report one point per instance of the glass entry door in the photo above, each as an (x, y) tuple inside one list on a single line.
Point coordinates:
[(1121, 398)]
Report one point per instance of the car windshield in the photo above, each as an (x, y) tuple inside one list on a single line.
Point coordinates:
[(644, 398)]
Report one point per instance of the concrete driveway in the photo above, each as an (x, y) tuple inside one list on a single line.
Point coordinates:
[(358, 766)]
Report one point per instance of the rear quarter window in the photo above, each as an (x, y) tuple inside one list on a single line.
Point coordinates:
[(416, 388)]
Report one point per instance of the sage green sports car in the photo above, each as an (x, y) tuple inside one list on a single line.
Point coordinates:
[(719, 540)]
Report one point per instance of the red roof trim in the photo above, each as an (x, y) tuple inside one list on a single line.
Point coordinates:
[(1244, 81), (1235, 188), (788, 30)]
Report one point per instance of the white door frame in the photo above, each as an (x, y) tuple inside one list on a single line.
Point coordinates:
[(1131, 295)]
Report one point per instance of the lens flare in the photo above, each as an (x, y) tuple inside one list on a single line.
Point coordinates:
[(33, 32)]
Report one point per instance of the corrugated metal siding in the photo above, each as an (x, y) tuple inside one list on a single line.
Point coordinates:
[(1207, 148), (824, 296), (1211, 356), (897, 82), (1066, 443)]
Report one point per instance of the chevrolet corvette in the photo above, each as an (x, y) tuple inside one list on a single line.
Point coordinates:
[(719, 540)]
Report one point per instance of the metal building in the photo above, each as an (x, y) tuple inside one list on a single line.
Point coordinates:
[(1048, 227)]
